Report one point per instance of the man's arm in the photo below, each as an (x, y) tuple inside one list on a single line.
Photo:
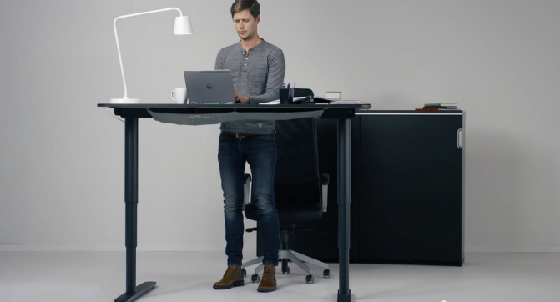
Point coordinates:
[(219, 65), (276, 73), (220, 59)]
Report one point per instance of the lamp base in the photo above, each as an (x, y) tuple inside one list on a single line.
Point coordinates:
[(124, 101)]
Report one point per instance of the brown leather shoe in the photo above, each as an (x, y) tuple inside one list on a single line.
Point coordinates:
[(232, 277), (268, 281)]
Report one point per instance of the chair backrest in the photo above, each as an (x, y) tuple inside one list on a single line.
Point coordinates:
[(297, 178)]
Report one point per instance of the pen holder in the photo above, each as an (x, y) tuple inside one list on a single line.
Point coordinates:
[(286, 95)]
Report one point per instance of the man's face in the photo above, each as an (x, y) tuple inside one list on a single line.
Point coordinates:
[(245, 24)]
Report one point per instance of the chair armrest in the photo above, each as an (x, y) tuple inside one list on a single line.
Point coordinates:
[(325, 179), (247, 188)]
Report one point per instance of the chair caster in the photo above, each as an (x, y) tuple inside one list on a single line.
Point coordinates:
[(244, 272), (326, 274), (285, 267), (309, 279), (255, 278)]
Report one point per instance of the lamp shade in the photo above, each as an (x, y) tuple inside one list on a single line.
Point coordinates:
[(183, 26)]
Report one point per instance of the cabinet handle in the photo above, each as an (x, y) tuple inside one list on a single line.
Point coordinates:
[(460, 138)]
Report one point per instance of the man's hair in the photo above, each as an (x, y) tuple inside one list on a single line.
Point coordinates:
[(241, 5)]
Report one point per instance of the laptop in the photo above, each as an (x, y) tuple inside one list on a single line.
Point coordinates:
[(210, 87)]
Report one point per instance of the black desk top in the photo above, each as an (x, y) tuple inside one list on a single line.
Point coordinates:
[(140, 110), (443, 112), (233, 106)]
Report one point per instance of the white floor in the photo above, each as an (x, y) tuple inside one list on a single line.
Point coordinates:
[(99, 276)]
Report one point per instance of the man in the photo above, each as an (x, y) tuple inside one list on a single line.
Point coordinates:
[(258, 69)]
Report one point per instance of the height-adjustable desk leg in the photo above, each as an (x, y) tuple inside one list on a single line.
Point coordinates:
[(133, 292), (343, 198)]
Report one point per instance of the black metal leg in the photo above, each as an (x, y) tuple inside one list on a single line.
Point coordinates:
[(343, 189), (133, 292)]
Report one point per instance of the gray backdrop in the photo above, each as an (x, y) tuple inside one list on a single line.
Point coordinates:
[(61, 160)]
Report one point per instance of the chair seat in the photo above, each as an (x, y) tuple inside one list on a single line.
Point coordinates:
[(289, 213)]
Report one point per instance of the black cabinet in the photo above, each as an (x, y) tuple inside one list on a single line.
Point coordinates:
[(407, 189), (411, 188)]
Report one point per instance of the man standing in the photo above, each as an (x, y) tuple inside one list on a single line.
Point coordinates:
[(258, 70)]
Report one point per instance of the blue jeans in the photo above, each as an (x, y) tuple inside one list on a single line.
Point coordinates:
[(260, 153)]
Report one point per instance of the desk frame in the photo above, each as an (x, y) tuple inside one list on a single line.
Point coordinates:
[(132, 112)]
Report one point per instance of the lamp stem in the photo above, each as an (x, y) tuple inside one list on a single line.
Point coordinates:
[(120, 59), (117, 37)]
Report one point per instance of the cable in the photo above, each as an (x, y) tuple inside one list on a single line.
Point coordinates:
[(113, 115)]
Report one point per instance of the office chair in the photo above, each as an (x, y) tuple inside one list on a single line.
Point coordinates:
[(300, 193)]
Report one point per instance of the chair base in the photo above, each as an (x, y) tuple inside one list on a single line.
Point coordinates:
[(288, 255)]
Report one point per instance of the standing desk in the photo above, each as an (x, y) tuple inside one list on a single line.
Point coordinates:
[(132, 112)]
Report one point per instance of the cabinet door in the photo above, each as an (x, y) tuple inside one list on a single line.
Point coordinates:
[(411, 206)]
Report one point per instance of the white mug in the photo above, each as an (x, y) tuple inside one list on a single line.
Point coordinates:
[(179, 95)]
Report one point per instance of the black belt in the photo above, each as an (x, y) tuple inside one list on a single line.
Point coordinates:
[(239, 135)]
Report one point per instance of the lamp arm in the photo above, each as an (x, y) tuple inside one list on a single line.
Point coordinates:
[(117, 36)]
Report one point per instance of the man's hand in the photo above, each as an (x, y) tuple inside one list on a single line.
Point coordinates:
[(241, 99)]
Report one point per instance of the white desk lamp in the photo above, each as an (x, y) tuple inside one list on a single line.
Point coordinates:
[(182, 27)]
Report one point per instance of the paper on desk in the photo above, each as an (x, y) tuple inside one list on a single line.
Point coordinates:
[(278, 101), (347, 102), (319, 100)]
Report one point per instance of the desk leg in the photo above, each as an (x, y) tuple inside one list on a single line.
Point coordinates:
[(133, 292), (343, 185)]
